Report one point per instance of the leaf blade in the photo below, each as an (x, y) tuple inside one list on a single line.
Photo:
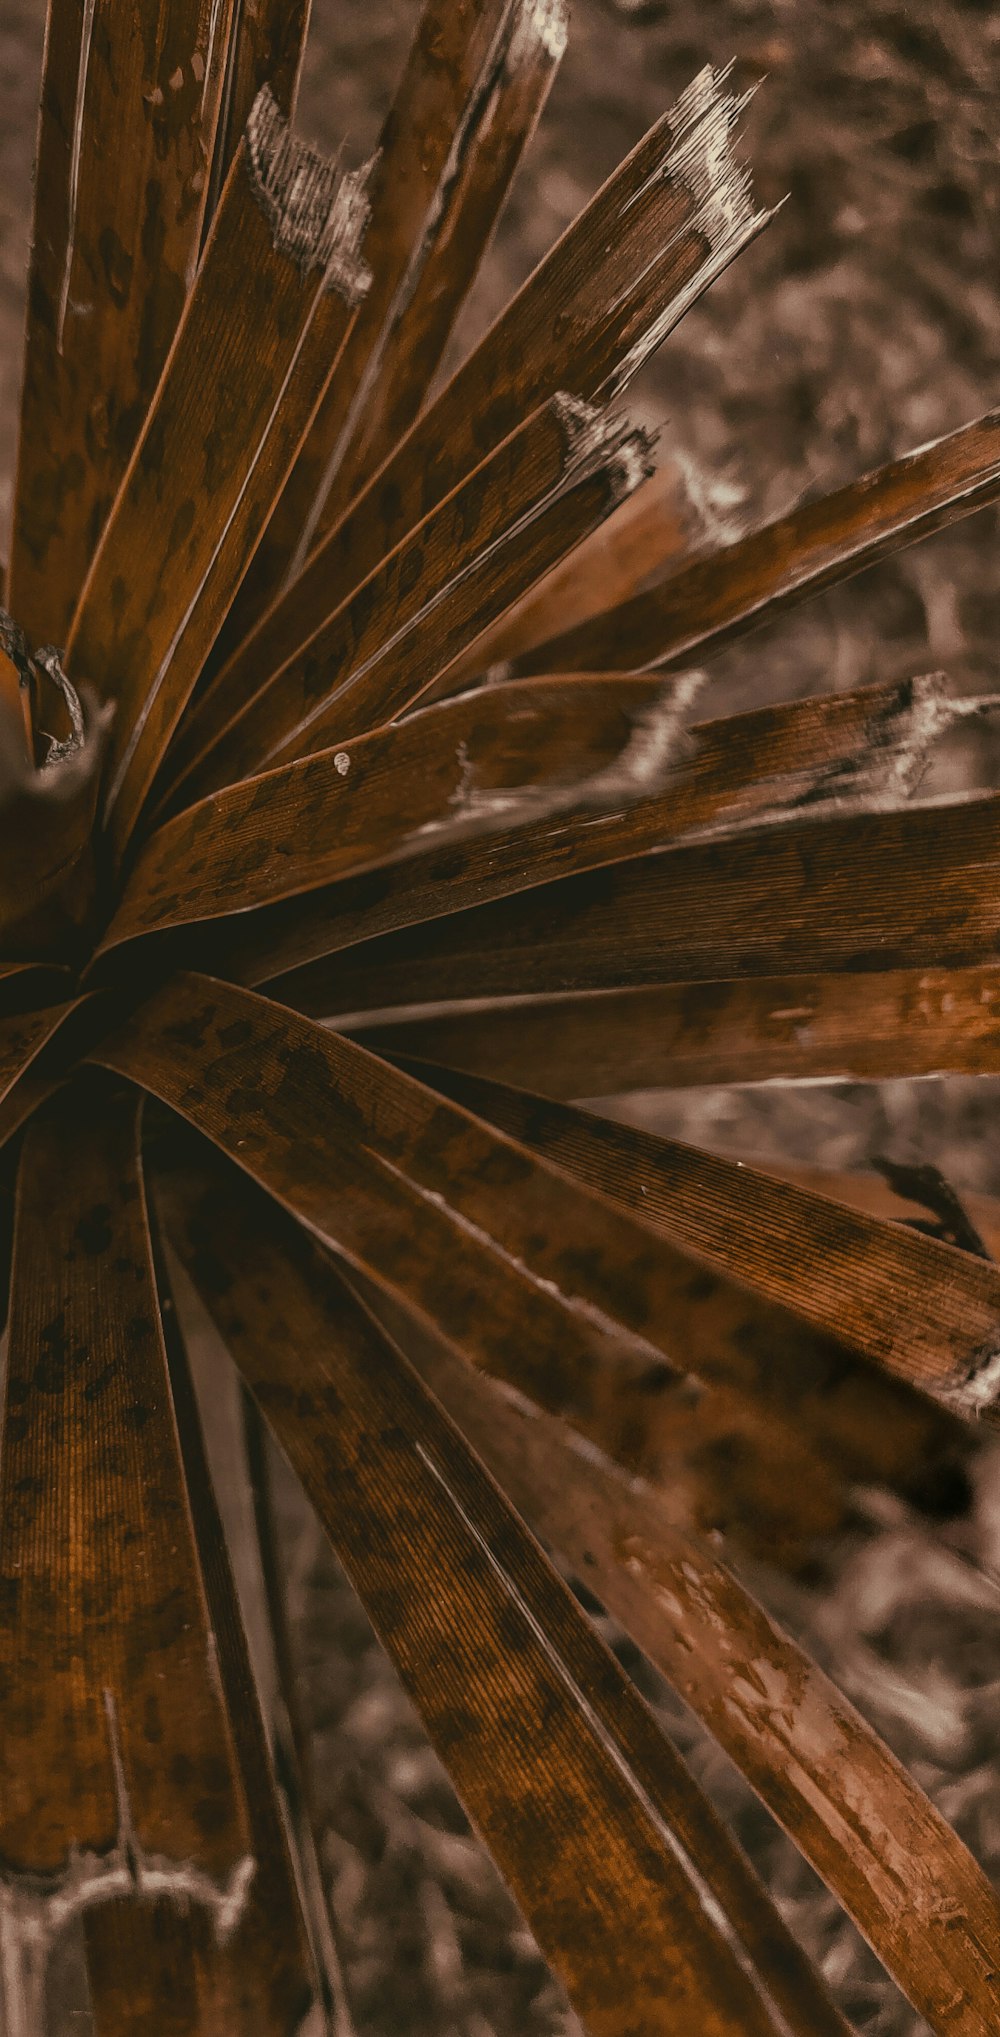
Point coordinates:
[(105, 297), (895, 1296), (471, 93), (655, 235), (306, 1112), (669, 782), (494, 1649), (845, 1801), (233, 403), (681, 1035), (865, 893), (89, 1441), (757, 578), (554, 480)]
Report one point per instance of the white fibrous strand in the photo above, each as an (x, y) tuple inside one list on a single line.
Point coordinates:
[(600, 440), (542, 23), (317, 213), (701, 160), (655, 743), (978, 1392)]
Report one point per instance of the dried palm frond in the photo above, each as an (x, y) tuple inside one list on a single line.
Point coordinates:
[(312, 944)]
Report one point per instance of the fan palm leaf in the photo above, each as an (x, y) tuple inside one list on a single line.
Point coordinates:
[(257, 814)]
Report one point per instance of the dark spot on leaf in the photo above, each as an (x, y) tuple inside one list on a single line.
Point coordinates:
[(93, 1232)]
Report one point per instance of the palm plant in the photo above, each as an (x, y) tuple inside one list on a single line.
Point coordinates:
[(311, 937)]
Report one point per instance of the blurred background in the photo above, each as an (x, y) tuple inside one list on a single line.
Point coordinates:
[(864, 322)]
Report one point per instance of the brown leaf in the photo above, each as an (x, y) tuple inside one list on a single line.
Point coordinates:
[(46, 820), (754, 1029), (675, 213), (910, 1304), (350, 1143), (555, 479), (662, 525), (533, 778), (474, 85), (668, 781), (266, 47), (866, 893), (731, 590), (827, 1778), (230, 411), (556, 1757), (130, 101), (110, 1693)]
